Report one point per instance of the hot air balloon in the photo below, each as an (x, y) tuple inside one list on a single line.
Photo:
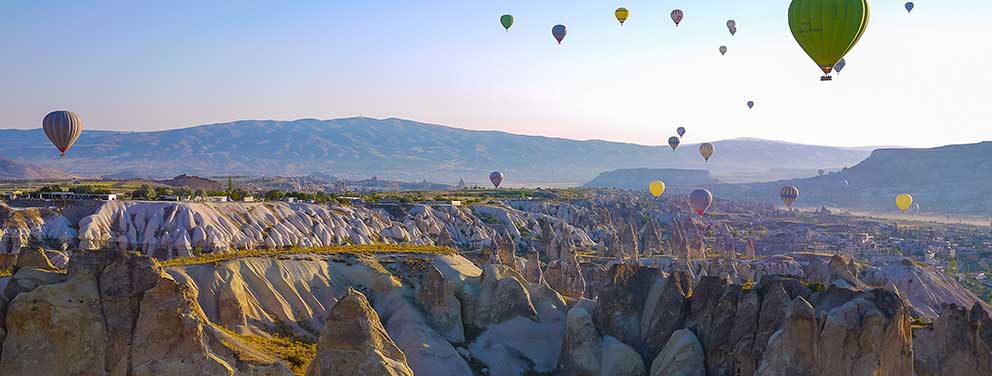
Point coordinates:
[(680, 131), (828, 30), (496, 178), (656, 187), (506, 20), (559, 32), (677, 16), (723, 50), (789, 195), (673, 142), (750, 104), (706, 150), (845, 183), (915, 208), (909, 7), (904, 201), (700, 200), (62, 128), (840, 65), (732, 26), (622, 14), (820, 172)]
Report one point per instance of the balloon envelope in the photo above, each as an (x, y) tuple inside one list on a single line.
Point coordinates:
[(750, 104), (904, 201), (63, 129), (827, 30), (622, 14), (723, 50), (731, 24), (700, 200), (656, 187), (820, 172), (674, 142), (677, 16), (496, 178), (680, 131), (789, 194), (559, 32), (915, 208), (506, 20), (910, 6), (706, 150)]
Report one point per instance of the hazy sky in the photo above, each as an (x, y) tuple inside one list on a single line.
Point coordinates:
[(916, 80)]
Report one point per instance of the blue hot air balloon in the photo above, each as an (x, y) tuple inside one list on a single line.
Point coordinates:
[(910, 6), (559, 32)]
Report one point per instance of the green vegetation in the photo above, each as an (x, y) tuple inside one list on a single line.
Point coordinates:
[(6, 272), (296, 353), (333, 250)]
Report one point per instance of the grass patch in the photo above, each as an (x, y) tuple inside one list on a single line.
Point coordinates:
[(333, 250), (296, 353)]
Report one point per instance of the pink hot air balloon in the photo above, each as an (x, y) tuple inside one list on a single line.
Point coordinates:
[(677, 16), (496, 178)]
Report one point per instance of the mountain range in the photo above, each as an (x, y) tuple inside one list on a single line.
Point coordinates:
[(405, 150), (17, 170)]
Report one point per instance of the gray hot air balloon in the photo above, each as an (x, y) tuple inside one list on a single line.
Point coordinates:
[(559, 32), (700, 200), (674, 142), (723, 50), (732, 26), (680, 131), (840, 66), (62, 128), (496, 178)]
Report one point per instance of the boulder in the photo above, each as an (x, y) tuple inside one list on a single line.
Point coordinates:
[(619, 359), (682, 356), (580, 351), (669, 315), (354, 343), (622, 299), (34, 258), (502, 296)]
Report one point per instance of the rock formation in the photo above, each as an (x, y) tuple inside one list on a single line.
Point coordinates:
[(442, 310), (959, 343), (354, 343), (682, 356)]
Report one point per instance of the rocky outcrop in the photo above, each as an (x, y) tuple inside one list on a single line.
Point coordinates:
[(532, 270), (836, 270), (502, 296), (442, 310), (580, 351), (682, 356), (354, 342), (669, 314), (622, 300), (565, 273), (620, 359), (650, 239), (959, 343)]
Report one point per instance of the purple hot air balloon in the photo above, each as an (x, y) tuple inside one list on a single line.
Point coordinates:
[(674, 142), (700, 200), (680, 131), (750, 104), (677, 16), (840, 66), (559, 32), (497, 178)]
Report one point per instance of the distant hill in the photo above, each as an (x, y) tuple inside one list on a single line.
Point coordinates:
[(10, 170), (403, 150), (951, 179), (194, 182), (638, 179)]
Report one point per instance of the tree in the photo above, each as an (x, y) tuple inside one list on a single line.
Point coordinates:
[(184, 192), (144, 192)]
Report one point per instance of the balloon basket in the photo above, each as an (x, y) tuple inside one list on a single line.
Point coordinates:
[(826, 78)]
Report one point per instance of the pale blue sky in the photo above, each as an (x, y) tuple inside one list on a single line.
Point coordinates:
[(916, 80)]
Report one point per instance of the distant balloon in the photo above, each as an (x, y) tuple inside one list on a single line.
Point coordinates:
[(732, 26), (622, 14), (700, 200), (559, 32), (506, 20), (904, 201), (845, 183), (706, 150), (723, 50), (680, 131), (828, 30), (789, 195), (63, 129), (496, 178), (820, 172), (677, 16), (656, 187), (750, 104), (909, 7), (674, 142), (840, 65), (915, 208)]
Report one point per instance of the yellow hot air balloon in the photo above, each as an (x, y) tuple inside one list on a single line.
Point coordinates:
[(904, 201), (622, 14), (828, 29), (657, 187), (706, 150)]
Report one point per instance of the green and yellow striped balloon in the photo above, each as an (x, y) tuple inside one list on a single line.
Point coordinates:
[(828, 29)]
